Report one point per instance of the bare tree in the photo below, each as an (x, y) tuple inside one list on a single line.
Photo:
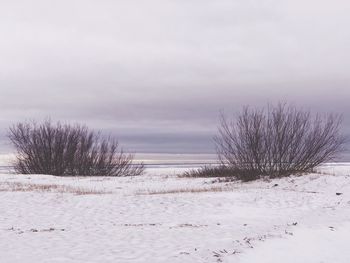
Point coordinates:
[(68, 150), (278, 140)]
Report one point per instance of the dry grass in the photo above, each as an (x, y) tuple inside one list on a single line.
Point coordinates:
[(225, 172), (51, 188), (187, 190)]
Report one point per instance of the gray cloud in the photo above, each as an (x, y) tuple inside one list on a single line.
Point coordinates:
[(156, 73)]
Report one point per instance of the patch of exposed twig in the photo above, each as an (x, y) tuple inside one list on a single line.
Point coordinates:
[(34, 230)]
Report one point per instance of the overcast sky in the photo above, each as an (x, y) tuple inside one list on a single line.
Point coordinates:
[(157, 73)]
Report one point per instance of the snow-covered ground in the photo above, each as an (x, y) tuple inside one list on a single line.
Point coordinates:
[(162, 218)]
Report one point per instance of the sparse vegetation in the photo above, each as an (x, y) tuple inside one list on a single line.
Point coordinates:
[(68, 150), (274, 142), (50, 188), (223, 171), (213, 188)]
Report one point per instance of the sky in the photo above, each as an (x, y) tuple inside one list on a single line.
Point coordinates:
[(156, 74)]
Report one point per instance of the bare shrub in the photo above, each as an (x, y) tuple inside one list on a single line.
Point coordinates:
[(68, 150), (278, 140)]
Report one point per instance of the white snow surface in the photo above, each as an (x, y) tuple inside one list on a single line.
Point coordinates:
[(295, 219)]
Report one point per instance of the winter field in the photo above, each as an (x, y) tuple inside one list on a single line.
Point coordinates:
[(160, 217)]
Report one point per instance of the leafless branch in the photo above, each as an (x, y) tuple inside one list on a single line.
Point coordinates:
[(278, 140), (68, 150)]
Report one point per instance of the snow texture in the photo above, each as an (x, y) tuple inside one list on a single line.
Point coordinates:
[(160, 217)]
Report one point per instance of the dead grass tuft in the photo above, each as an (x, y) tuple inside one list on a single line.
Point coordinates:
[(187, 190), (51, 188)]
